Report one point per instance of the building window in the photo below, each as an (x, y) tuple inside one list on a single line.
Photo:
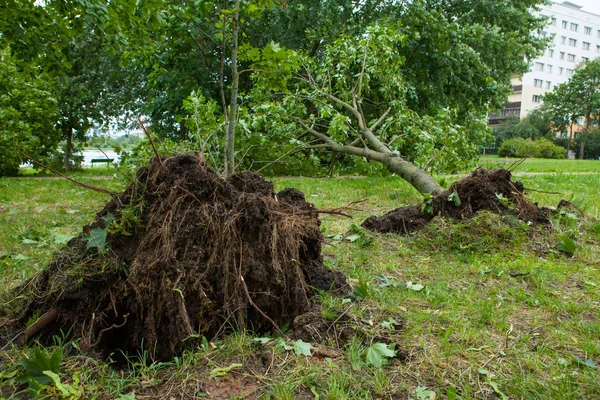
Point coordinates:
[(549, 68), (572, 42), (538, 83), (586, 46), (574, 27), (551, 53), (571, 57), (560, 70), (553, 21), (584, 60), (548, 85), (539, 66), (563, 40), (562, 55), (564, 24), (570, 72), (587, 30), (599, 33), (536, 99)]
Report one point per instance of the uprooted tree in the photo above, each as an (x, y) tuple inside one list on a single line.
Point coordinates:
[(412, 95)]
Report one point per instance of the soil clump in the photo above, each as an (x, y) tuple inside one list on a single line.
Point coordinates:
[(483, 189), (183, 254)]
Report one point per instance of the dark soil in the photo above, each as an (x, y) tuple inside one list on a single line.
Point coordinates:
[(484, 189), (208, 255)]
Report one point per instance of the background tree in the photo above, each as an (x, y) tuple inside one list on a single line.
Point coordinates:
[(578, 98), (28, 112), (536, 125)]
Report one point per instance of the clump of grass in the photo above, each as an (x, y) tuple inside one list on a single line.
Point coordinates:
[(485, 233)]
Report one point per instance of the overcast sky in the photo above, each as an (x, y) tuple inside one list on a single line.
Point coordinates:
[(592, 6)]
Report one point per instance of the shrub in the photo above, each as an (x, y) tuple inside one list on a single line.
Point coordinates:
[(520, 147), (591, 142)]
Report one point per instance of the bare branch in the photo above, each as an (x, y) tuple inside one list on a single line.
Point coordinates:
[(381, 119), (148, 133), (85, 185), (347, 106)]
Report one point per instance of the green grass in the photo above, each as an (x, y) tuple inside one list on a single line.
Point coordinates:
[(502, 312), (541, 164)]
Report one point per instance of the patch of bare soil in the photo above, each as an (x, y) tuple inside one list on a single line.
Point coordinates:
[(484, 189), (187, 254)]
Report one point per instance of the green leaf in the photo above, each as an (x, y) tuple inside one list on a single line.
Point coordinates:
[(61, 239), (67, 391), (413, 286), (361, 291), (262, 340), (588, 363), (302, 348), (422, 393), (566, 245), (454, 198), (96, 239), (377, 353), (282, 343), (215, 372), (352, 238)]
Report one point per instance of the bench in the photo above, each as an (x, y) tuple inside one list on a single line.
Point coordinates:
[(101, 160)]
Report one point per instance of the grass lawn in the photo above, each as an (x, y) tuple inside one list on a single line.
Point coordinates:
[(493, 310), (541, 164)]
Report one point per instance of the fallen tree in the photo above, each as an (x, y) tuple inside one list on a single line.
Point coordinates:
[(404, 94)]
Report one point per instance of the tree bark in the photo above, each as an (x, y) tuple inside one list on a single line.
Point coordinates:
[(68, 149), (418, 178), (230, 131)]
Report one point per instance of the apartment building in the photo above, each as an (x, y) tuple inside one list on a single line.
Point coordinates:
[(575, 39)]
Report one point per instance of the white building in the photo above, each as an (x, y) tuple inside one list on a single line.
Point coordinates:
[(575, 39)]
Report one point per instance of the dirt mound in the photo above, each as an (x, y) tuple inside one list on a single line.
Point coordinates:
[(484, 189), (182, 254)]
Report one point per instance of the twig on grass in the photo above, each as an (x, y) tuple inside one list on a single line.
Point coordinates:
[(85, 185)]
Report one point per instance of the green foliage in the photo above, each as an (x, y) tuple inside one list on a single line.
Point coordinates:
[(536, 125), (28, 111), (42, 374), (591, 144), (566, 245), (520, 147), (454, 198), (578, 97), (378, 353), (96, 238)]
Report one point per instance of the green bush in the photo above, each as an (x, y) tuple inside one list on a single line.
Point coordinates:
[(519, 147), (547, 149), (591, 142)]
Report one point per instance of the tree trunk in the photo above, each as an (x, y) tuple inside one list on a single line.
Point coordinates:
[(230, 131), (581, 148), (68, 149), (418, 178)]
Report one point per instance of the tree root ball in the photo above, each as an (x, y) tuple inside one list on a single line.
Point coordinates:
[(483, 189), (187, 254)]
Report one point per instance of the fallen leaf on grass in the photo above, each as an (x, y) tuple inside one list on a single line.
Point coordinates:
[(216, 372)]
